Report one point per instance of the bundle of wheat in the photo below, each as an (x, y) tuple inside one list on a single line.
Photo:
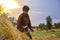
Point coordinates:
[(8, 31)]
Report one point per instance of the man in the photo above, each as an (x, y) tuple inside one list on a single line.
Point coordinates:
[(24, 23)]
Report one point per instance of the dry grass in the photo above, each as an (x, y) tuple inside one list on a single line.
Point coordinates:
[(49, 37)]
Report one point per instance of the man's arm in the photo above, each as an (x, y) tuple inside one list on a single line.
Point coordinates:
[(29, 25), (19, 21)]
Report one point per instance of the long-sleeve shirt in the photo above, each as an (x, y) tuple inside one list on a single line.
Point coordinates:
[(22, 21)]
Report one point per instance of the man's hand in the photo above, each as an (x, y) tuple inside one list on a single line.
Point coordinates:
[(32, 30)]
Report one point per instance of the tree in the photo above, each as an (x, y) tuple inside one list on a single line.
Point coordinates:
[(13, 20), (42, 26), (57, 25), (49, 22)]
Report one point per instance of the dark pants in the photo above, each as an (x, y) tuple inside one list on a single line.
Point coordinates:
[(27, 33)]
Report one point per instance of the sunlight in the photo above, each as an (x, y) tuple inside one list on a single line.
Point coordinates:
[(9, 4)]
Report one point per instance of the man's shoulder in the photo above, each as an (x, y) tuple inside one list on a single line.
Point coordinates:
[(21, 14), (24, 14)]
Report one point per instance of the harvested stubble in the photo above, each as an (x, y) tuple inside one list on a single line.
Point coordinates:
[(49, 37)]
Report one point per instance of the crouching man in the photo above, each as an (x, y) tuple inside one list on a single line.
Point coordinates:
[(23, 22)]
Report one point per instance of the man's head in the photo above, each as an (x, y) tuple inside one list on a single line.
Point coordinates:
[(26, 8)]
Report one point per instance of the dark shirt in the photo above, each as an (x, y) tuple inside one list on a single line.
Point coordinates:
[(22, 21)]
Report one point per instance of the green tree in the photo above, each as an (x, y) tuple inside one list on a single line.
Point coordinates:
[(57, 25), (42, 26), (13, 20), (49, 22)]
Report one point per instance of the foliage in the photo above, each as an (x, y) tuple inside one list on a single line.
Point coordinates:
[(42, 26), (13, 20), (49, 22), (57, 25)]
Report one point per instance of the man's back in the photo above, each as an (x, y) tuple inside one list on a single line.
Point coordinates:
[(23, 20)]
